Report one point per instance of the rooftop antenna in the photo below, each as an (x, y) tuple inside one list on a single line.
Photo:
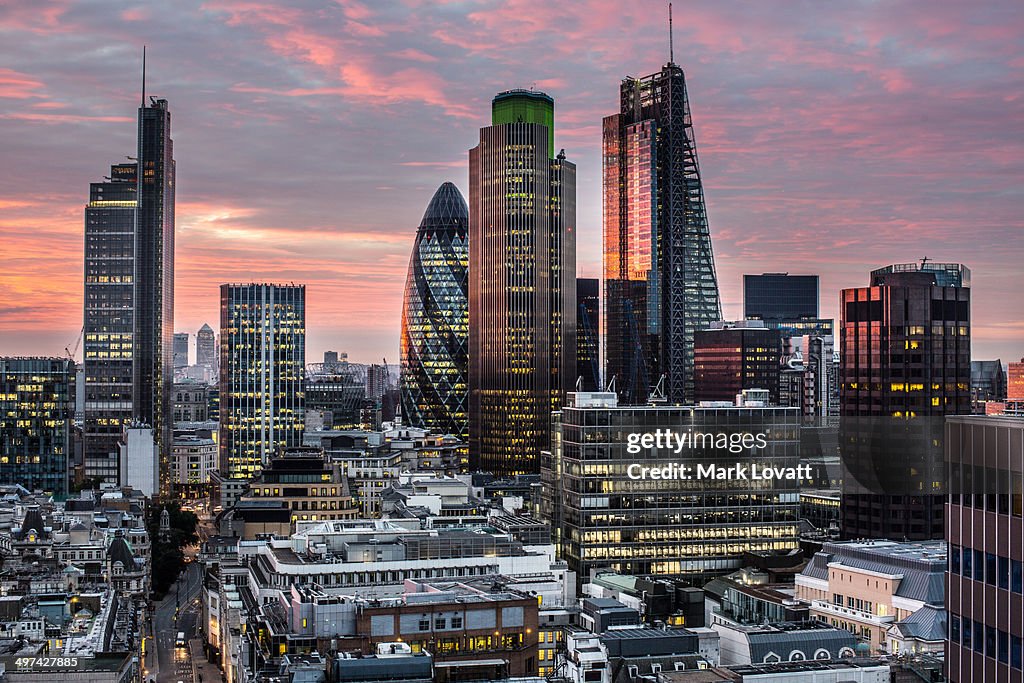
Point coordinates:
[(671, 52), (924, 261), (143, 75)]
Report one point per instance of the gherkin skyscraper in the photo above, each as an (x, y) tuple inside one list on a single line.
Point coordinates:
[(435, 318)]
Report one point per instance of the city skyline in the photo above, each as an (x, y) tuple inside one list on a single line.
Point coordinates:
[(274, 147)]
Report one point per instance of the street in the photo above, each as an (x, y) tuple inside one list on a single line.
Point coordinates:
[(177, 612)]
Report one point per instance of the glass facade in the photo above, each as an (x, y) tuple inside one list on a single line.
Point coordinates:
[(522, 289), (206, 348), (37, 405), (109, 318), (262, 371), (905, 353), (688, 529), (731, 359), (659, 269), (588, 326), (154, 279), (435, 319), (780, 296)]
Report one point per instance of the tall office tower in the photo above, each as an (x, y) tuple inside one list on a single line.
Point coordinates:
[(732, 356), (180, 352), (262, 371), (788, 303), (522, 285), (206, 348), (659, 268), (154, 279), (906, 357), (435, 319), (37, 406), (984, 529), (109, 319), (588, 331), (330, 361)]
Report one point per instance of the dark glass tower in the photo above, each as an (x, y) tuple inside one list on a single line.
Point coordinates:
[(435, 319), (154, 279), (206, 348), (731, 357), (588, 326), (659, 269), (788, 303), (905, 360), (109, 318), (522, 285), (37, 406), (262, 373)]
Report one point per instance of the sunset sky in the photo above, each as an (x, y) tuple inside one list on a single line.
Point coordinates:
[(309, 136)]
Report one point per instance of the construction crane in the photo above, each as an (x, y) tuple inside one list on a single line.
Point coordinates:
[(69, 352)]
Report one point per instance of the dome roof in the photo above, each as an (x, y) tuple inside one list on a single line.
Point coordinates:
[(121, 551)]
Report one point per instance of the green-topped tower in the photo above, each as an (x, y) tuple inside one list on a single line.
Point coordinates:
[(522, 283)]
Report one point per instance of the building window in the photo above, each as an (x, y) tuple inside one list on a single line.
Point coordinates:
[(424, 624)]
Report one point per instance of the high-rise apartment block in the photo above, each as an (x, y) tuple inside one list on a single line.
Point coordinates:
[(435, 319), (985, 531), (522, 285), (37, 406), (905, 356), (262, 370), (659, 269)]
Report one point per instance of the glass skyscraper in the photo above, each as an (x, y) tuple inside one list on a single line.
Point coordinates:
[(659, 268), (206, 348), (905, 357), (129, 298), (37, 406), (262, 370), (435, 319), (588, 331), (109, 318), (522, 285)]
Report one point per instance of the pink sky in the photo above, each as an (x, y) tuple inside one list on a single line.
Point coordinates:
[(833, 138)]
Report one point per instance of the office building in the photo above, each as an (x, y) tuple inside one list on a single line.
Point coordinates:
[(1015, 381), (129, 296), (262, 369), (985, 530), (780, 296), (154, 279), (337, 396), (305, 483), (522, 285), (870, 587), (659, 268), (109, 322), (37, 404), (180, 352), (604, 516), (376, 382), (193, 459), (988, 385), (206, 348), (139, 459), (588, 334), (905, 356), (732, 356), (788, 303), (190, 401), (435, 319)]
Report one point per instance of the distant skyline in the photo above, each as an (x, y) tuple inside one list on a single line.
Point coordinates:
[(833, 139)]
